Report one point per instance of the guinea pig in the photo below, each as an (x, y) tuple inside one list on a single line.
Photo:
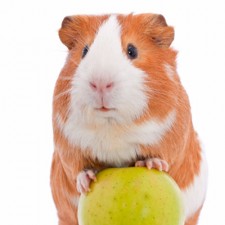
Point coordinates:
[(119, 102)]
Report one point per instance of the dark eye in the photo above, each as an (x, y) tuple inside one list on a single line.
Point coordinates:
[(132, 51), (85, 51)]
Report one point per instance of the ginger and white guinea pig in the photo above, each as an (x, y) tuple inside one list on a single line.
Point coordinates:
[(119, 102)]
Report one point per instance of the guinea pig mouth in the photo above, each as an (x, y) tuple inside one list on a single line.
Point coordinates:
[(104, 109)]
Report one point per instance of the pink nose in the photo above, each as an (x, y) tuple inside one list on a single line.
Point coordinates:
[(101, 87)]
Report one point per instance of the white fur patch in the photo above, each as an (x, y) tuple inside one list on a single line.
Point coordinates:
[(152, 131), (105, 62), (112, 144), (194, 195), (169, 71)]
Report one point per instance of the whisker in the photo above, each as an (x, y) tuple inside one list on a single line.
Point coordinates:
[(160, 82), (153, 92), (161, 98), (68, 111), (62, 94), (74, 62), (66, 78)]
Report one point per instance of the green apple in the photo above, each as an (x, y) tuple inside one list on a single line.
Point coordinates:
[(132, 196)]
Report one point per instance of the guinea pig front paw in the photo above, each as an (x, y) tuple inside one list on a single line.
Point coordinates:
[(153, 163), (84, 179)]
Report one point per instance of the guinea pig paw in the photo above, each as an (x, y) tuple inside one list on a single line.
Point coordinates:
[(153, 163), (84, 179)]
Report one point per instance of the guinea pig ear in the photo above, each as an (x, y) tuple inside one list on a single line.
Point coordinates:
[(161, 34), (70, 30)]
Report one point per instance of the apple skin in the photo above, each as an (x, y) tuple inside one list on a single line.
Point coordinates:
[(132, 196)]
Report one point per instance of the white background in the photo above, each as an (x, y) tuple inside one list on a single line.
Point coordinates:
[(31, 57)]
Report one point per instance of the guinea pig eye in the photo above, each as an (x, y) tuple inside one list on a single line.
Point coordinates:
[(85, 51), (132, 52)]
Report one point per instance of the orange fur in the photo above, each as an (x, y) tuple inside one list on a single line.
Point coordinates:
[(180, 146), (194, 219)]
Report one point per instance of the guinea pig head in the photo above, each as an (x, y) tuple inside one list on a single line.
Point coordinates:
[(120, 69)]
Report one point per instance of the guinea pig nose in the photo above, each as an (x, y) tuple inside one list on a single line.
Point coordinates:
[(109, 86), (93, 85), (101, 87)]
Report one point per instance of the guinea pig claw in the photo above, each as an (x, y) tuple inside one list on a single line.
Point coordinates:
[(91, 175), (153, 163), (140, 163), (84, 179)]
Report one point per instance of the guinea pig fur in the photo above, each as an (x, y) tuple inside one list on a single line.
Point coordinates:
[(119, 102)]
